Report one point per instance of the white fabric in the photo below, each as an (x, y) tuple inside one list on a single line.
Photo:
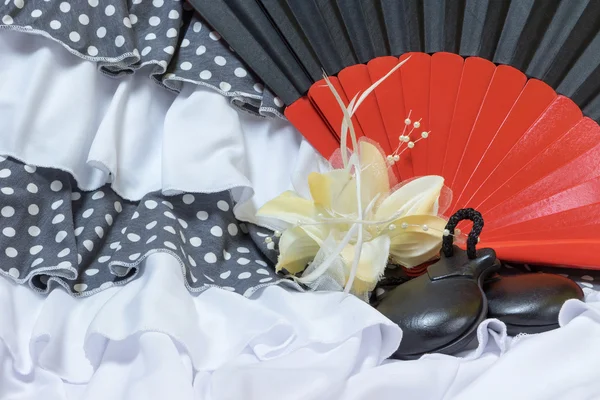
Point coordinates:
[(152, 340), (57, 110)]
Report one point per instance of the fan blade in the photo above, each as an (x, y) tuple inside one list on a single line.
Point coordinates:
[(308, 120)]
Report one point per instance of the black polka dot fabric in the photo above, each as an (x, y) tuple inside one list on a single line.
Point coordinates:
[(123, 36), (52, 234)]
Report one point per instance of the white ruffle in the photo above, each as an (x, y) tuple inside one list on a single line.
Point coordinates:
[(57, 111), (152, 340)]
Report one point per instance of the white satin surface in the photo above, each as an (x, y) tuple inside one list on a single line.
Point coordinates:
[(152, 340), (57, 110)]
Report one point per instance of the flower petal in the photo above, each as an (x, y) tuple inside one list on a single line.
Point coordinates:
[(289, 207), (296, 250), (418, 196), (413, 246), (373, 260), (374, 171)]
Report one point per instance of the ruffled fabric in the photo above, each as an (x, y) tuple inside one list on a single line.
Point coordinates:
[(152, 340), (55, 234), (57, 111), (165, 36)]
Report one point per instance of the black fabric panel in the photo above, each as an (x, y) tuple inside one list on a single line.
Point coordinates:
[(356, 26), (433, 25), (494, 22), (472, 27), (376, 26), (288, 83), (583, 79), (516, 19), (403, 23), (592, 109), (453, 23), (283, 18)]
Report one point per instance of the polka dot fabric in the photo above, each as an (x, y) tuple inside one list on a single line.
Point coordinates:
[(125, 35), (54, 234)]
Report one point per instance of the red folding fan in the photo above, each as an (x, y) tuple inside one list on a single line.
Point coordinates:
[(523, 156)]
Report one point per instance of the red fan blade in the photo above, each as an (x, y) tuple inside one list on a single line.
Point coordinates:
[(557, 119), (308, 120), (506, 86), (476, 76), (355, 80), (446, 71), (416, 74), (390, 99)]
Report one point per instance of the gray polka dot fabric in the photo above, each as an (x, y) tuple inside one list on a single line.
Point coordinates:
[(124, 35), (53, 234)]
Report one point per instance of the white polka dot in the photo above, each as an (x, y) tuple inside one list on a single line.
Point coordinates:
[(197, 26), (93, 3), (119, 41), (98, 195), (87, 213), (5, 173), (32, 188), (11, 252), (65, 7), (232, 229), (35, 249), (60, 236), (56, 186), (171, 33), (150, 204), (587, 284), (135, 215), (200, 50), (240, 72), (219, 60), (166, 203), (101, 32), (223, 205), (169, 229), (133, 18), (152, 239), (84, 19), (91, 272), (80, 287), (210, 258), (33, 209), (7, 211), (183, 224), (78, 231), (185, 43), (79, 259), (56, 204), (195, 241), (103, 259), (30, 168), (92, 51), (214, 35), (202, 215), (243, 261), (262, 271), (13, 272), (114, 245), (226, 255), (170, 245), (150, 36), (205, 74), (99, 231), (154, 21), (64, 252), (9, 232), (182, 239), (146, 50), (186, 65), (7, 190), (243, 250), (278, 102), (587, 278), (109, 219), (34, 231), (158, 3), (109, 10), (127, 22), (19, 3), (74, 36), (192, 262), (225, 86), (54, 24), (244, 275), (151, 225), (36, 13), (261, 262), (259, 87), (271, 246), (118, 206), (266, 280), (36, 262), (135, 256), (7, 20), (216, 231), (133, 237), (88, 244), (169, 214), (225, 275), (188, 198), (169, 50)]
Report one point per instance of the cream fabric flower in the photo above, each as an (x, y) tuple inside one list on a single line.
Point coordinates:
[(400, 224)]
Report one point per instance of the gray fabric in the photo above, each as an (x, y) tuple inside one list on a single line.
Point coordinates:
[(124, 35), (53, 234)]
